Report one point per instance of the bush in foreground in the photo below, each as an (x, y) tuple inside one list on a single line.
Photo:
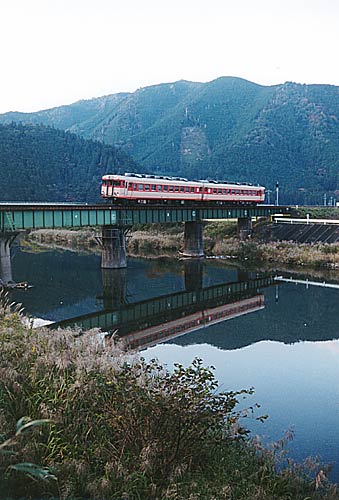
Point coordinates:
[(127, 429)]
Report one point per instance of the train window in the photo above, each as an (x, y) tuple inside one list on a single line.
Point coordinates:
[(219, 191), (130, 185), (214, 190), (206, 190), (166, 188), (140, 187), (224, 191), (146, 187), (199, 190), (233, 191), (181, 189), (154, 187), (176, 188), (170, 188), (187, 189), (192, 189), (135, 186), (159, 188)]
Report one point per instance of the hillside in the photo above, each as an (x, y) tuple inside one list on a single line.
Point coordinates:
[(227, 129), (39, 163)]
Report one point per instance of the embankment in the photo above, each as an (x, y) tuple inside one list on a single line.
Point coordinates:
[(219, 240)]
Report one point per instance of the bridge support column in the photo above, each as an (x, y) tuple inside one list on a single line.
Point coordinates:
[(113, 244), (6, 240), (244, 228), (193, 242)]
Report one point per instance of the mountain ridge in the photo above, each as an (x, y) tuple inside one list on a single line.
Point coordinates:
[(229, 128)]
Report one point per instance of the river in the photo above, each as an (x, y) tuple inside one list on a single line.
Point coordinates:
[(282, 339)]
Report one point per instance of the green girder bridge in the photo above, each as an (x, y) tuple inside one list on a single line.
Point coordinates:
[(115, 222)]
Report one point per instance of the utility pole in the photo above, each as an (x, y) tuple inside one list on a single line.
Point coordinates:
[(277, 193), (325, 200)]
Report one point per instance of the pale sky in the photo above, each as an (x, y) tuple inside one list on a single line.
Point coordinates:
[(55, 52)]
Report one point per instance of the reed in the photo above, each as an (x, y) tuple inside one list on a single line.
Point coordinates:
[(127, 429)]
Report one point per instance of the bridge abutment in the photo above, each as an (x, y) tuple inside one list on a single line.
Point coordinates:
[(244, 228), (193, 240), (113, 245)]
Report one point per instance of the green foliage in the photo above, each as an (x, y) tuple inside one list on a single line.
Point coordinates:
[(250, 251), (220, 230), (7, 457), (125, 428), (316, 212), (40, 163)]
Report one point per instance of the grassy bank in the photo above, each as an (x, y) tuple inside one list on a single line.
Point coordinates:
[(219, 240), (125, 429)]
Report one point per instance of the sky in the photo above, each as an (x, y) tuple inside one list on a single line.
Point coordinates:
[(56, 52)]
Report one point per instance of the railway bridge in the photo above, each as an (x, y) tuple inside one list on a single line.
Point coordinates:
[(116, 220)]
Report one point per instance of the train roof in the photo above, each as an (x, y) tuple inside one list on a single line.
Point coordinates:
[(181, 179)]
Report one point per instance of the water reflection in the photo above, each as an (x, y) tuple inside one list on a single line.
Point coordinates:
[(148, 322), (281, 339)]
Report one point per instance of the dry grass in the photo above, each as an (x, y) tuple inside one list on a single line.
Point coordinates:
[(127, 429), (219, 240)]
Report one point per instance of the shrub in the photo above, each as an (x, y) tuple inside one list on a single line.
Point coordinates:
[(128, 429), (121, 425)]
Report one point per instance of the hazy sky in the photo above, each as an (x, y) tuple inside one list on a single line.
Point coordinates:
[(56, 52)]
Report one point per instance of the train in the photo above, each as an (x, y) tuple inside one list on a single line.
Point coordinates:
[(148, 188)]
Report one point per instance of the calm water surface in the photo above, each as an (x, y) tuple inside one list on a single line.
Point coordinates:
[(280, 339)]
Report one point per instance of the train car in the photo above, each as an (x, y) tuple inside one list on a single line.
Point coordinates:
[(145, 188)]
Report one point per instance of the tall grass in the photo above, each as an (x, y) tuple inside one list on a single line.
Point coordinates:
[(127, 429)]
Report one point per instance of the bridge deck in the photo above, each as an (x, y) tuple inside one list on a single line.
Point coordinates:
[(18, 216)]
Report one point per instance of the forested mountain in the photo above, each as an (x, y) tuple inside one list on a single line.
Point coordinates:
[(226, 129), (39, 163)]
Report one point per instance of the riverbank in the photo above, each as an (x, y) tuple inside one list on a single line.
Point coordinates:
[(219, 241), (124, 429)]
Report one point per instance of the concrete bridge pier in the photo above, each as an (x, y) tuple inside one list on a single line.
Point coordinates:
[(193, 241), (113, 244), (6, 240), (244, 228)]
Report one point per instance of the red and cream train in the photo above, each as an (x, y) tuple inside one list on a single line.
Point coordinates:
[(145, 188)]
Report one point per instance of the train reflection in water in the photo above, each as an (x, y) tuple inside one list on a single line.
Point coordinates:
[(146, 323), (192, 322)]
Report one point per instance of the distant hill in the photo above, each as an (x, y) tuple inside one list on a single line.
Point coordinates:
[(226, 129), (39, 163)]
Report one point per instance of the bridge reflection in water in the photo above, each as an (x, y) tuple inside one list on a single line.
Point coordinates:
[(146, 323)]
